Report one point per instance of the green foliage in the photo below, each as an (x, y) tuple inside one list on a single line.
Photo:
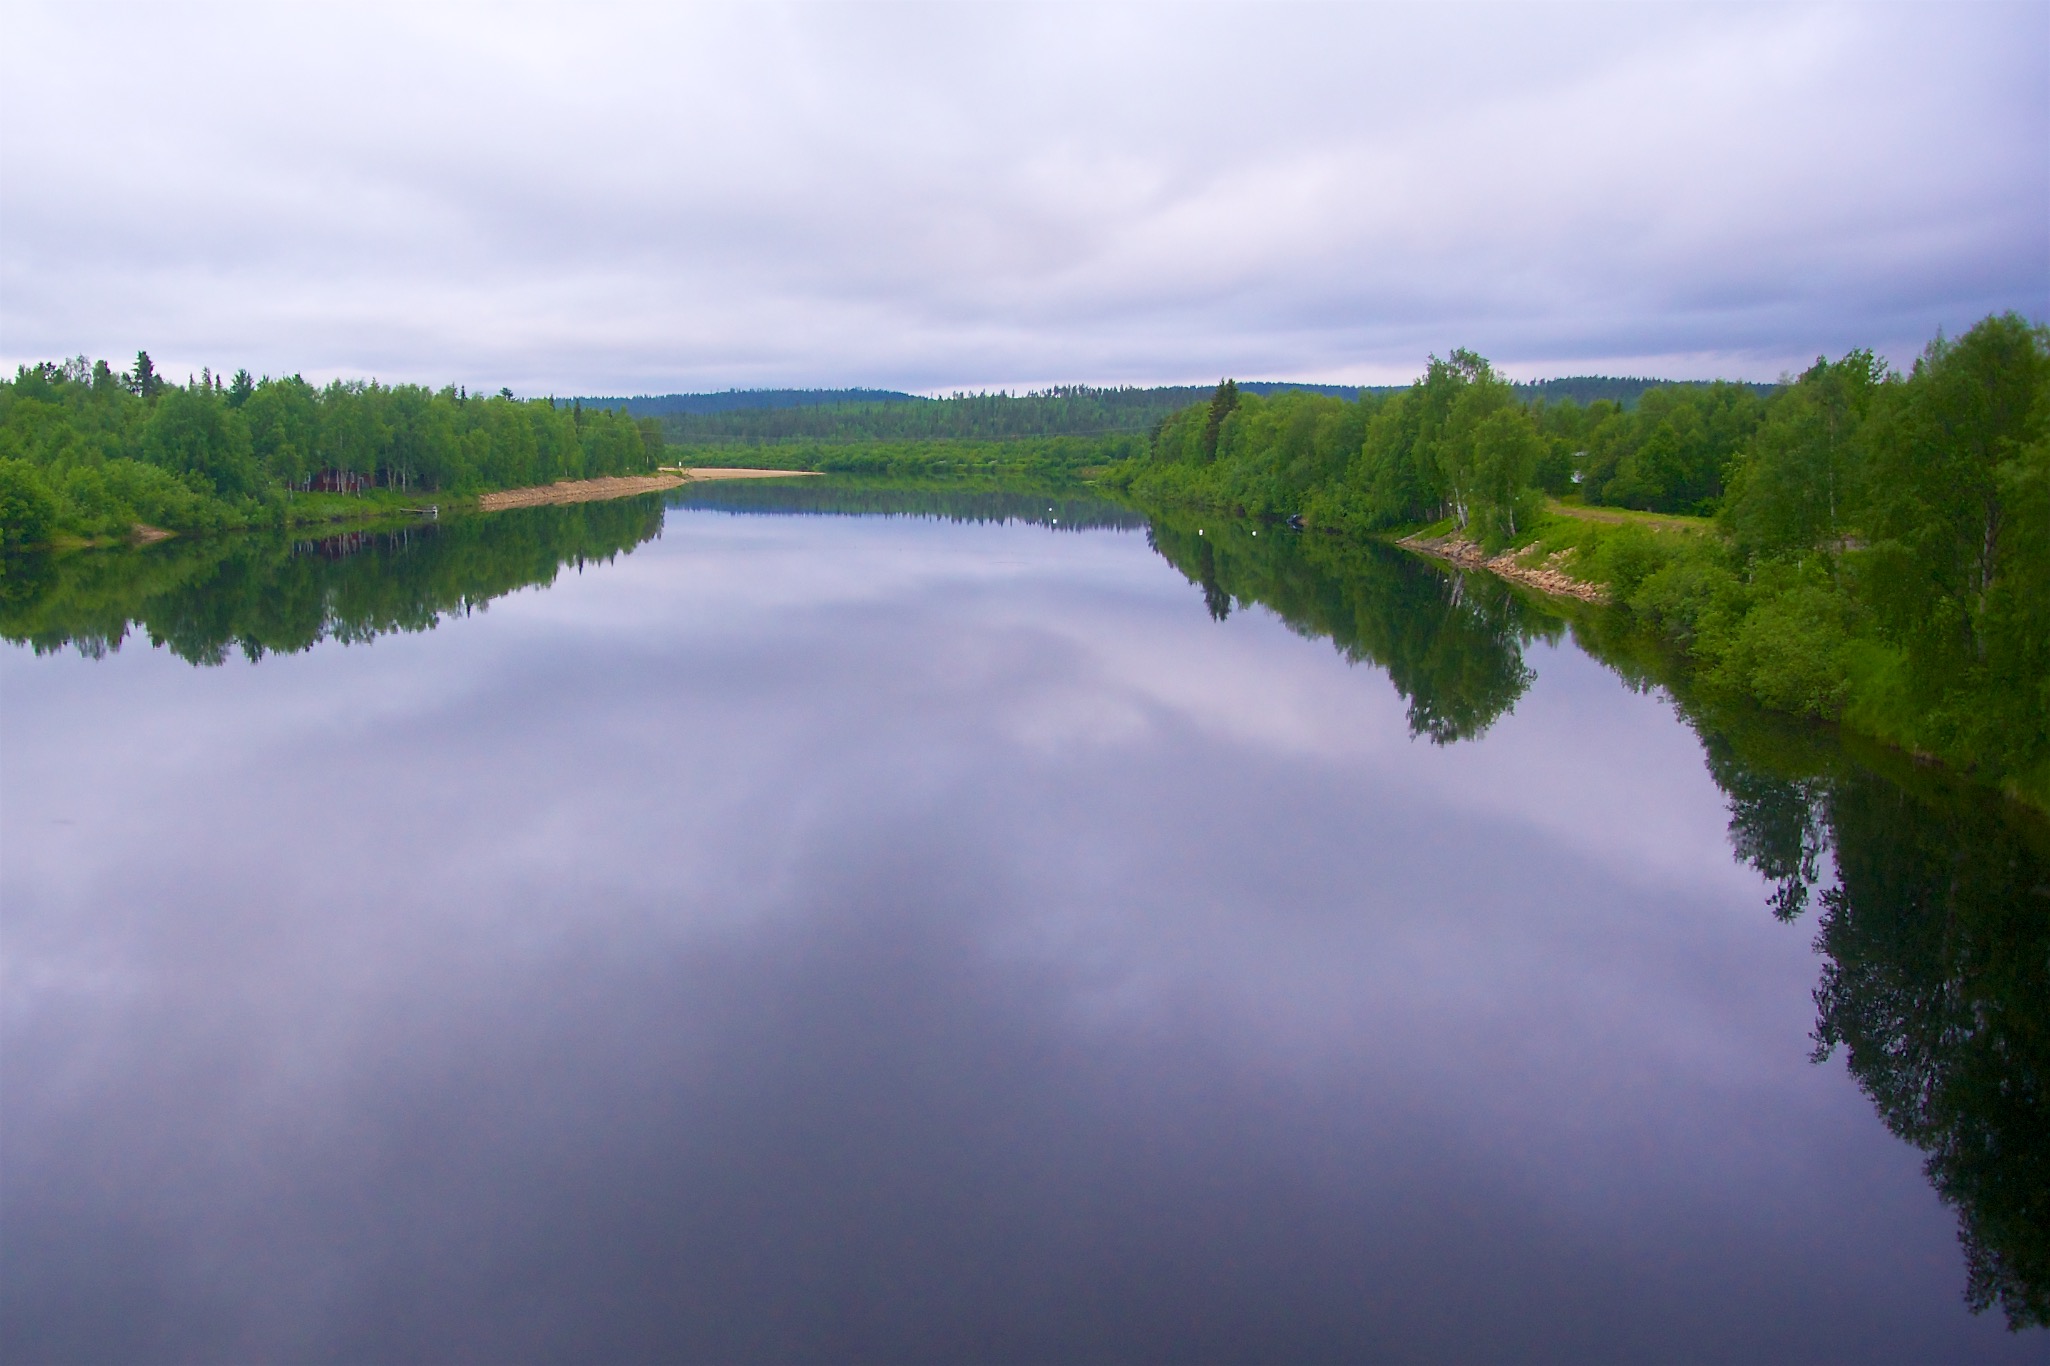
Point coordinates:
[(1456, 443), (193, 431), (1956, 571), (1274, 456), (1065, 411), (1789, 650), (28, 511), (1413, 460), (1881, 553), (1562, 427), (1221, 404), (108, 451), (107, 499), (1670, 453), (146, 384), (1798, 485), (1506, 449), (1627, 556)]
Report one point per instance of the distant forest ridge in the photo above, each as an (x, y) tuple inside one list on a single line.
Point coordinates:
[(836, 416), (726, 400), (1623, 390), (757, 416)]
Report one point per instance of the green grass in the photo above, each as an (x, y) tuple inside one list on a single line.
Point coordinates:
[(1574, 509)]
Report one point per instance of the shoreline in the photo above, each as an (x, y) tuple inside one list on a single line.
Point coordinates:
[(142, 535), (618, 486), (1548, 576), (697, 472)]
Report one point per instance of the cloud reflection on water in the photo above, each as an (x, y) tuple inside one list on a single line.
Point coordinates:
[(817, 937)]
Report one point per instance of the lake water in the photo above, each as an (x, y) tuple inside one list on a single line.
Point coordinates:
[(1003, 932)]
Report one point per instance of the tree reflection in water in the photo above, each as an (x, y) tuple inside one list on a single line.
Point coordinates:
[(205, 599), (1936, 984), (1934, 894), (1452, 644)]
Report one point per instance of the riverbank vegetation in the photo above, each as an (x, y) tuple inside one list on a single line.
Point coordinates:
[(1859, 545), (90, 453)]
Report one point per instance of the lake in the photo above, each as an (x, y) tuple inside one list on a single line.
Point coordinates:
[(856, 923)]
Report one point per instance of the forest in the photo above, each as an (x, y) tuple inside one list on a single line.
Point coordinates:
[(88, 452), (727, 400), (843, 417), (1069, 410), (1859, 545)]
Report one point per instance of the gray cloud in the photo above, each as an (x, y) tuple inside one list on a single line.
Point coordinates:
[(645, 199)]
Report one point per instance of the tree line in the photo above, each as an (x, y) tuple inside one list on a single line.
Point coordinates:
[(88, 451), (1068, 410), (849, 416), (1461, 442), (1872, 546)]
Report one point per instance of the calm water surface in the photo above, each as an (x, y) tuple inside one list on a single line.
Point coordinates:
[(872, 937)]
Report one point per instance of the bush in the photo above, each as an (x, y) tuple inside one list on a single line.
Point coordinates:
[(28, 511), (1691, 585), (109, 499), (1625, 557), (1791, 650)]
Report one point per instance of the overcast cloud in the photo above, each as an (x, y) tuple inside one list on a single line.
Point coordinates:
[(623, 199)]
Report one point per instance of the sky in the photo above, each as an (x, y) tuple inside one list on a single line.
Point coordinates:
[(611, 199)]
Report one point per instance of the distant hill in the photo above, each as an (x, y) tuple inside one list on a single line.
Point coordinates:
[(730, 400), (757, 416), (772, 416), (1625, 390), (1269, 386)]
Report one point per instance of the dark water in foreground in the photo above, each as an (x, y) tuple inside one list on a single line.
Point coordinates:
[(867, 937)]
